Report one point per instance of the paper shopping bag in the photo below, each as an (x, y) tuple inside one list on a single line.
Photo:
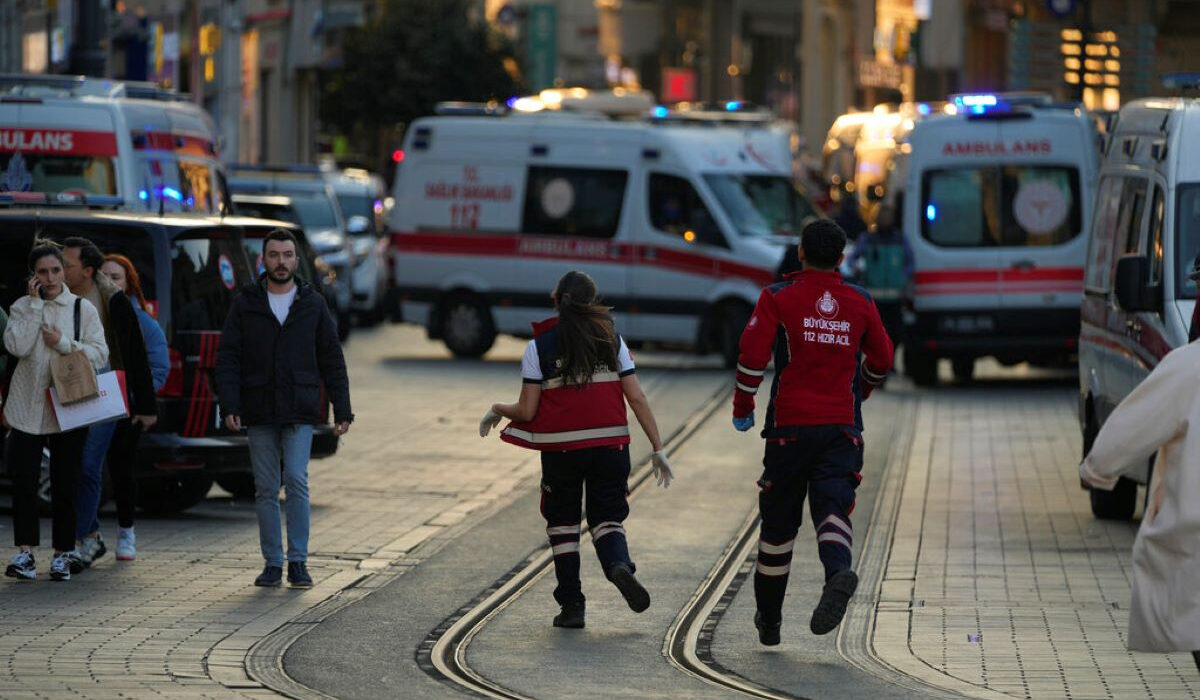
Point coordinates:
[(74, 377), (109, 404)]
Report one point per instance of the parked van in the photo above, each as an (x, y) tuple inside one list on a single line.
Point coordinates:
[(190, 267), (681, 225), (1138, 300), (150, 148), (998, 199)]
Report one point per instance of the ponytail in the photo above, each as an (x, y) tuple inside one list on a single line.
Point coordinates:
[(587, 339)]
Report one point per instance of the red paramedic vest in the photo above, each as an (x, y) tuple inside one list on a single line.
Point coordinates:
[(570, 417)]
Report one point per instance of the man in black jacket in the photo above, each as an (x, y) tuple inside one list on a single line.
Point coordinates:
[(126, 352), (278, 346)]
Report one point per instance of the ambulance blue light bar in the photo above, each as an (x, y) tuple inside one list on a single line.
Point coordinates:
[(976, 104)]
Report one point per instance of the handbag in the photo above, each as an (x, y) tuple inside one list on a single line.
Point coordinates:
[(73, 376)]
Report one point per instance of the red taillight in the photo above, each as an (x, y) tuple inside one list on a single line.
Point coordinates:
[(173, 388)]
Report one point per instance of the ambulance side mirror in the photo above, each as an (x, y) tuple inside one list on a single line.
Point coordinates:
[(1134, 291)]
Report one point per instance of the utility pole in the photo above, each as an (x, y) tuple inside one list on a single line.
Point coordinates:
[(229, 100), (88, 57)]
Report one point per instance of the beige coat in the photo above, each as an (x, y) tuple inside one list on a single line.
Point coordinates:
[(1162, 413), (26, 407)]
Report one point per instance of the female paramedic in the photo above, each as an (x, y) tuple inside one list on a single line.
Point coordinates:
[(572, 409)]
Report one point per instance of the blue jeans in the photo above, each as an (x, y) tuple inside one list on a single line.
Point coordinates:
[(91, 476), (269, 445)]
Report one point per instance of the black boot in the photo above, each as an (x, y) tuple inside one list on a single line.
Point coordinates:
[(571, 616), (635, 594), (768, 633), (829, 612)]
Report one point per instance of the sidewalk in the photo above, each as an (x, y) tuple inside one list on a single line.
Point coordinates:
[(1000, 583)]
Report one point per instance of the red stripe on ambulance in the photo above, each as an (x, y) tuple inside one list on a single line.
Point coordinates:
[(62, 141)]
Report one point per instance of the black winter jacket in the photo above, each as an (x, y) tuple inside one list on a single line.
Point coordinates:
[(271, 374), (127, 347)]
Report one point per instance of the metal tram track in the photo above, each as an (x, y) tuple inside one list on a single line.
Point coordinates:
[(443, 654)]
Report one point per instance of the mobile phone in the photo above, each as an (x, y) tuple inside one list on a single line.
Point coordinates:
[(41, 290)]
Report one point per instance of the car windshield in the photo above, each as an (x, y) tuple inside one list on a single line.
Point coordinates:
[(207, 266), (761, 205), (1187, 232), (172, 184), (356, 204), (267, 210), (315, 211), (37, 172)]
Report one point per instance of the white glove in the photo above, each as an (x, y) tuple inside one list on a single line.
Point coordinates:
[(490, 420), (662, 468)]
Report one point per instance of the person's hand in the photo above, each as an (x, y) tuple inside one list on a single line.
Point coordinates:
[(662, 468), (50, 335), (744, 423), (340, 429), (146, 422), (34, 288), (490, 420), (233, 422)]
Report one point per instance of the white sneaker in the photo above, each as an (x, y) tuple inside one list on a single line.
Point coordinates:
[(60, 567), (91, 548), (126, 545), (22, 566)]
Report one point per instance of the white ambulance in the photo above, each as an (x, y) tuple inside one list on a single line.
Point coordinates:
[(681, 225), (1139, 298), (997, 204), (147, 147)]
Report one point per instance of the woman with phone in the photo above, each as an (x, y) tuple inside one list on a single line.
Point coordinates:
[(41, 325)]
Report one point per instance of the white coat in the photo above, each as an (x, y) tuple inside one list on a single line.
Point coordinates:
[(27, 408), (1162, 413)]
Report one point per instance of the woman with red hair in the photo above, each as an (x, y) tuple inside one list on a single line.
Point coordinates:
[(122, 272)]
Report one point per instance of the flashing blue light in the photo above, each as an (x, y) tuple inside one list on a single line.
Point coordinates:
[(931, 212), (923, 109), (172, 193), (510, 102), (660, 112), (143, 195), (733, 106)]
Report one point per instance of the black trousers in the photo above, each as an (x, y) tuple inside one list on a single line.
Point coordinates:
[(602, 475), (120, 469), (24, 460), (822, 463)]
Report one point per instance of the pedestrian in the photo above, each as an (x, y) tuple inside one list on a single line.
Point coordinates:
[(819, 328), (127, 353), (577, 375), (47, 322), (121, 458), (882, 261), (278, 346), (1162, 415)]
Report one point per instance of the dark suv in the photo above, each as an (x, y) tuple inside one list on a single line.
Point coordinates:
[(191, 268)]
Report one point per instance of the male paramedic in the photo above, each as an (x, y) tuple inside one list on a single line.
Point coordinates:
[(830, 351)]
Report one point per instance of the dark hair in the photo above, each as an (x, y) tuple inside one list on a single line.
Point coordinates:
[(89, 253), (279, 234), (42, 248), (586, 338), (823, 242)]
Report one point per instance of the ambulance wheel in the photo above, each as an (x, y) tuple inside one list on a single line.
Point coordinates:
[(1117, 504), (921, 366), (964, 368), (467, 326), (734, 315)]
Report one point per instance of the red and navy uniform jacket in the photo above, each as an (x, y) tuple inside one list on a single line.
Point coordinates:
[(571, 417), (830, 351)]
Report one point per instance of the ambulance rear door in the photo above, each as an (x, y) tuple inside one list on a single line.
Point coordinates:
[(1043, 189), (55, 147), (955, 252)]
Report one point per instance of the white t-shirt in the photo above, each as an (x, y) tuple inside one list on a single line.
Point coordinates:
[(281, 303), (531, 366)]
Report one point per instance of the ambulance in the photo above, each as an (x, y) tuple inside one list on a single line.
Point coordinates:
[(142, 146), (997, 205), (680, 224), (1138, 296)]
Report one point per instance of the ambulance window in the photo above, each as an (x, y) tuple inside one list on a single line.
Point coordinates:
[(1039, 205), (1155, 249), (35, 172), (1129, 220), (1187, 230), (1104, 230), (575, 202), (953, 212), (676, 209)]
